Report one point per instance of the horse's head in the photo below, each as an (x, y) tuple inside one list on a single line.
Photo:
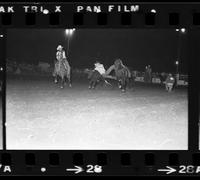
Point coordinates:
[(87, 71), (118, 64)]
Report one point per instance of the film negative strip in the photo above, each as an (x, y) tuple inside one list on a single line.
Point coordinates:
[(99, 88)]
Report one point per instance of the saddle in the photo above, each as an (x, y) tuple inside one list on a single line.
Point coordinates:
[(64, 62)]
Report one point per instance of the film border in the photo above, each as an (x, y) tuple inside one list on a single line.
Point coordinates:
[(145, 162)]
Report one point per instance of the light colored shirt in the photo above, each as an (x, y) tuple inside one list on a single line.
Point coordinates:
[(60, 55), (170, 79), (100, 68)]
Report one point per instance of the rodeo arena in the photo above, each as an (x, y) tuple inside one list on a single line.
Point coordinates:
[(107, 105), (95, 107)]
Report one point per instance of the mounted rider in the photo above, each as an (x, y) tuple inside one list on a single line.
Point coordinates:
[(61, 67), (61, 57)]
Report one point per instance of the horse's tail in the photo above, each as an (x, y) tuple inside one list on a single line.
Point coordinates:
[(129, 73)]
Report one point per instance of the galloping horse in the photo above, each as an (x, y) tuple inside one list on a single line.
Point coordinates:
[(63, 71)]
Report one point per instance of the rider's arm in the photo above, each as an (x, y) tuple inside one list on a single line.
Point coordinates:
[(110, 69), (64, 56), (57, 56)]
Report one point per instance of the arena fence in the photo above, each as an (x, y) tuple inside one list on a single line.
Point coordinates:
[(47, 69)]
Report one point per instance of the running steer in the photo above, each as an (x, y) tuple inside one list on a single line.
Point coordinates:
[(94, 78)]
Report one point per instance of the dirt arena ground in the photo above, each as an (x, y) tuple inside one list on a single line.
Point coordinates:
[(40, 115)]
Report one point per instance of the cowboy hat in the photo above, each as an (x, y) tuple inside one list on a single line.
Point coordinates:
[(59, 47), (97, 62)]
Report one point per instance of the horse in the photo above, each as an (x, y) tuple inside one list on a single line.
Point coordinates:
[(94, 78), (63, 71), (122, 74)]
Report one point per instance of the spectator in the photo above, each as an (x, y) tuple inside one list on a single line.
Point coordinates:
[(149, 74), (169, 83)]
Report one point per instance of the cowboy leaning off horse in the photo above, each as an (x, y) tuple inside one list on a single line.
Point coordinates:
[(105, 74)]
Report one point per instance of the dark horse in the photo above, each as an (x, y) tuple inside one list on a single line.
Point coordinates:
[(122, 74), (63, 71)]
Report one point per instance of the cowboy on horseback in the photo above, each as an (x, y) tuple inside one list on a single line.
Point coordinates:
[(61, 57), (62, 68)]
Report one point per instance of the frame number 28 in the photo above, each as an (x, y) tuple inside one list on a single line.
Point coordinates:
[(94, 169)]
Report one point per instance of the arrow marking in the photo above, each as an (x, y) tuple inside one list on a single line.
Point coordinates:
[(77, 169), (169, 170)]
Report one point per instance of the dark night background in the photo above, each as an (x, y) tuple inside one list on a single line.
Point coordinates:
[(136, 47)]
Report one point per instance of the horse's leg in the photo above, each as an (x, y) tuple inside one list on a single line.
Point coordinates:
[(130, 82), (123, 85), (101, 80), (56, 78), (91, 79), (120, 84), (55, 75), (70, 81), (90, 84), (95, 79), (65, 80), (69, 78), (64, 73), (62, 81), (126, 81), (62, 84), (94, 84)]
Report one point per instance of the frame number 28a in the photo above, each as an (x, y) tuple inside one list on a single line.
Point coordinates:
[(189, 169)]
